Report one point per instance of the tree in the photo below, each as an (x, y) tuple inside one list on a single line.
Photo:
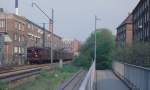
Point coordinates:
[(105, 44)]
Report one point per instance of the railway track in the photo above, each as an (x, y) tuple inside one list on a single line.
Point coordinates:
[(8, 69), (75, 81), (18, 68), (19, 75), (22, 72), (14, 76)]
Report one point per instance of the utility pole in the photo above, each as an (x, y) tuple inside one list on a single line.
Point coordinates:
[(95, 38), (96, 19), (52, 22), (44, 35)]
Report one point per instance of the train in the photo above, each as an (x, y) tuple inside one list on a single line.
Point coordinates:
[(38, 55)]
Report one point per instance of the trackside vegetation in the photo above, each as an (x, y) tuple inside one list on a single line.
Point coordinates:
[(46, 80), (3, 86), (105, 45)]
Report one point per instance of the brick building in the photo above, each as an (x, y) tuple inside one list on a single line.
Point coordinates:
[(14, 30), (18, 34), (125, 33), (141, 21), (72, 45), (76, 46)]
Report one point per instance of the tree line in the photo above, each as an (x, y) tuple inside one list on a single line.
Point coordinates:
[(107, 52)]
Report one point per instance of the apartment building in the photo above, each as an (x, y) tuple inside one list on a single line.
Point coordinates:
[(19, 34), (124, 36), (141, 21), (14, 31)]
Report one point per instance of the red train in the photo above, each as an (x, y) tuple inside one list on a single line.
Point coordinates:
[(36, 55)]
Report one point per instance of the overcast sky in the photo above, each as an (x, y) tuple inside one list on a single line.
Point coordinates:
[(75, 18)]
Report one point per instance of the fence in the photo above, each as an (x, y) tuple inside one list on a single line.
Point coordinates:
[(88, 82), (1, 49), (136, 77)]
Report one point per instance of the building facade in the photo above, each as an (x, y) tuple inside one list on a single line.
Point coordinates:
[(76, 47), (14, 31), (141, 21), (18, 34), (72, 45), (125, 33)]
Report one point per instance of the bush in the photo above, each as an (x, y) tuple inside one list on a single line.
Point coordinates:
[(3, 86), (138, 54)]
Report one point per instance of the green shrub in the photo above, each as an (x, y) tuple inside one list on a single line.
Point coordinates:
[(3, 86), (105, 44), (138, 54)]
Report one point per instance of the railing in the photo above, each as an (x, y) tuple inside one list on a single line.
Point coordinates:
[(136, 77), (1, 48), (88, 82)]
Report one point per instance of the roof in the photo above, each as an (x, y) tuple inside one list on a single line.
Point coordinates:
[(29, 21), (128, 20), (140, 2), (41, 27)]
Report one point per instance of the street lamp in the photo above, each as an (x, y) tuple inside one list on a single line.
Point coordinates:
[(51, 21)]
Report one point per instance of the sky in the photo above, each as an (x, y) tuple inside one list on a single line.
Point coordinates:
[(75, 18)]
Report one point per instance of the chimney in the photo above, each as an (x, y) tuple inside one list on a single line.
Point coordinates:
[(16, 7), (1, 10)]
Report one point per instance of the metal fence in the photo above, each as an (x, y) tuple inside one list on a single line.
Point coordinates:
[(1, 49), (136, 77), (88, 82)]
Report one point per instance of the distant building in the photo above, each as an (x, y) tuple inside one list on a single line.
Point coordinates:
[(141, 21), (72, 45), (125, 33), (76, 45)]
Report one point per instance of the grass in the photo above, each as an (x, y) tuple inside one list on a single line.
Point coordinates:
[(49, 81)]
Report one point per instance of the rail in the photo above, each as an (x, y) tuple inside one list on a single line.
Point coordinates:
[(88, 82), (136, 77), (16, 75), (73, 82), (8, 69)]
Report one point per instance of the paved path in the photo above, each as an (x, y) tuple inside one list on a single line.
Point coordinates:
[(106, 80)]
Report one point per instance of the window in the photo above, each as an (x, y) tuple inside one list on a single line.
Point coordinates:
[(19, 50), (15, 36), (19, 38), (16, 25), (23, 27), (15, 49), (19, 26), (2, 23), (23, 50)]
